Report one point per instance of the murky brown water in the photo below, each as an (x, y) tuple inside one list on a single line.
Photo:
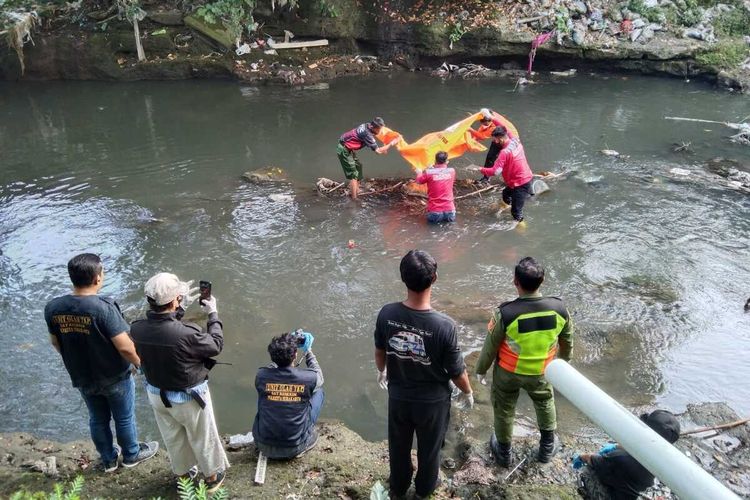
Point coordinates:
[(655, 271)]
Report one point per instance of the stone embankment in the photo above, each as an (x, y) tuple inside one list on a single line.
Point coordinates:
[(673, 37)]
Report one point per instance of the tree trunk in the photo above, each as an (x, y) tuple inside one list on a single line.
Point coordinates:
[(138, 46)]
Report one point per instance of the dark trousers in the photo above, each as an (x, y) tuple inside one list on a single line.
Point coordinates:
[(430, 422), (492, 154), (516, 198)]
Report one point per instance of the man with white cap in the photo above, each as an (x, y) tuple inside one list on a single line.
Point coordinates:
[(176, 357)]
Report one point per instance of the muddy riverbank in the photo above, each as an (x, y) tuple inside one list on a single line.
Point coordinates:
[(343, 465), (77, 44)]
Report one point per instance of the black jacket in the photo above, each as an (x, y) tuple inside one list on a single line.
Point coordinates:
[(283, 421), (175, 355)]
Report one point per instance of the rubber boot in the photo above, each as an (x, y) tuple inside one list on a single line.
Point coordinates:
[(548, 446), (501, 451)]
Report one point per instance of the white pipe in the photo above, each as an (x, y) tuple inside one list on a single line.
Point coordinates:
[(686, 478)]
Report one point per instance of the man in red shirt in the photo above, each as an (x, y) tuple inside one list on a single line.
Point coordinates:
[(439, 179), (354, 140), (487, 125), (515, 169)]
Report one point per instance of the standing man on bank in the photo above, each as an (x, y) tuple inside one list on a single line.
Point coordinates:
[(354, 140), (524, 336), (289, 398), (91, 335), (176, 360), (515, 169), (417, 356)]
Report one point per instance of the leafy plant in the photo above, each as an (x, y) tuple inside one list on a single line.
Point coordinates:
[(131, 10), (328, 8), (235, 15), (652, 14), (456, 32), (187, 490), (73, 492)]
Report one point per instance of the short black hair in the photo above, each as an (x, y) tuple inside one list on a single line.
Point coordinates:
[(377, 122), (418, 270), (530, 274), (283, 349), (84, 268), (441, 157), (499, 131)]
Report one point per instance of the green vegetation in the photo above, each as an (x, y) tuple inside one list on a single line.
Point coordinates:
[(733, 23), (59, 492), (235, 15), (653, 14), (456, 32), (187, 490), (724, 55), (327, 8)]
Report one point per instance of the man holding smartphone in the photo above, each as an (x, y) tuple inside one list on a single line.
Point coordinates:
[(289, 398), (176, 357)]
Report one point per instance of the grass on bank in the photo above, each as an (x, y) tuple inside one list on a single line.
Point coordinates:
[(727, 54)]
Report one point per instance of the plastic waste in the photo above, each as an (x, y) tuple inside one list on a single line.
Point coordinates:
[(243, 49)]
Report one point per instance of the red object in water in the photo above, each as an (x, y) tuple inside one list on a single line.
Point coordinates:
[(351, 244)]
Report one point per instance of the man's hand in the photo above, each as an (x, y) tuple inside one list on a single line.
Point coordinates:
[(309, 339), (481, 379), (419, 171), (577, 462), (394, 141), (473, 168), (209, 305), (383, 379), (383, 149), (465, 401)]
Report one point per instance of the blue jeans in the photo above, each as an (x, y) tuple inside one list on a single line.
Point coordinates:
[(317, 404), (113, 402), (436, 217)]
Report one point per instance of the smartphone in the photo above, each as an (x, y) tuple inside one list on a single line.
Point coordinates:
[(205, 289)]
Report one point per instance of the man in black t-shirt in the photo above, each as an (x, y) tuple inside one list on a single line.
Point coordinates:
[(417, 355), (92, 337), (614, 474)]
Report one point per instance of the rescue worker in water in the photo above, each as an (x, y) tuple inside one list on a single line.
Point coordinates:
[(354, 140), (517, 175)]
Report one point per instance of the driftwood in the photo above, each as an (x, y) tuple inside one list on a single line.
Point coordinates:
[(743, 128), (729, 425), (478, 191), (384, 190)]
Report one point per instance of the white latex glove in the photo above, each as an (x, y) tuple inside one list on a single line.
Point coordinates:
[(190, 293), (465, 401), (418, 171), (209, 305), (383, 379), (473, 168), (481, 379)]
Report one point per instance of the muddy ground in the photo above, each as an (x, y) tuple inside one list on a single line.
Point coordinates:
[(343, 465)]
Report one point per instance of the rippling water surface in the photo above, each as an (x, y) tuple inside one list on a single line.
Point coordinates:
[(655, 270)]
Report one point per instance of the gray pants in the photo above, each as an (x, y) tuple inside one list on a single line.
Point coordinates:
[(190, 435)]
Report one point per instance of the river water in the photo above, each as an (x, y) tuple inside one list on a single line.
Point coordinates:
[(655, 270)]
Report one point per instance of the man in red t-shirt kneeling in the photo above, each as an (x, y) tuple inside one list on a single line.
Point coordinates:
[(439, 179)]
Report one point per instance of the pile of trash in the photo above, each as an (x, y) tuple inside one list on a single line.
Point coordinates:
[(469, 70), (633, 20)]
